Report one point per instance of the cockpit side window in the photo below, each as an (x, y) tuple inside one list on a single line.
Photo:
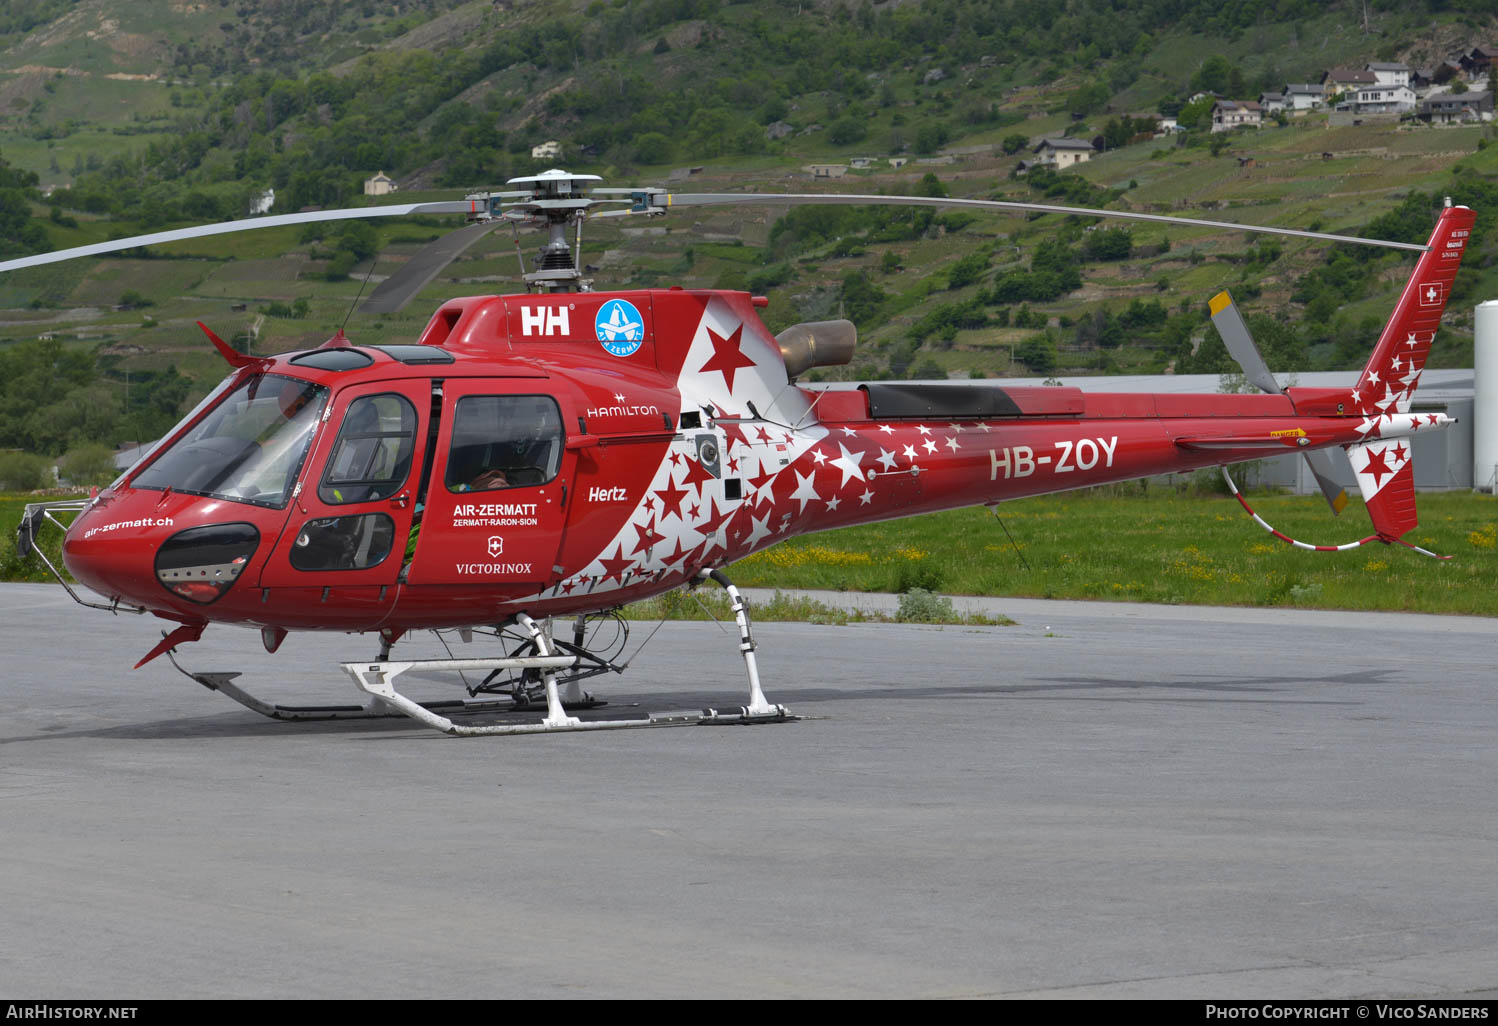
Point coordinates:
[(372, 454), (504, 441)]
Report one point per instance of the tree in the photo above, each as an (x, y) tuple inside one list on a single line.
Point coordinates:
[(862, 299), (930, 185), (931, 137), (1197, 113), (89, 464), (967, 270), (20, 233), (653, 148), (1213, 75), (1088, 98), (1108, 244), (847, 130), (22, 472), (1038, 353)]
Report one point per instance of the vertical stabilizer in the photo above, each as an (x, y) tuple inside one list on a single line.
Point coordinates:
[(1385, 469), (1393, 372)]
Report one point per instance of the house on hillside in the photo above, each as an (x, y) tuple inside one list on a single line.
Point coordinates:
[(549, 150), (1345, 80), (1230, 114), (1389, 74), (1271, 102), (828, 170), (1061, 153), (380, 185), (1453, 108), (1479, 61), (1380, 99), (1303, 96)]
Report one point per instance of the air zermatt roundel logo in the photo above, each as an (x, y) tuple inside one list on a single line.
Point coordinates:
[(620, 327)]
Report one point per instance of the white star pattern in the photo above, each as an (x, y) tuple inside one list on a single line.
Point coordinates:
[(952, 443), (758, 529), (805, 491), (887, 458), (848, 463)]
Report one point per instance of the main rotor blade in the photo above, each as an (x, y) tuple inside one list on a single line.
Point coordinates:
[(1235, 335), (666, 200), (397, 290), (246, 225)]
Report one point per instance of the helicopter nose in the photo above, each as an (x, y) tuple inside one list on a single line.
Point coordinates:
[(150, 560), (113, 555)]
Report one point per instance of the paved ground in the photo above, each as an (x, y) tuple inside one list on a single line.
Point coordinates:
[(1107, 800)]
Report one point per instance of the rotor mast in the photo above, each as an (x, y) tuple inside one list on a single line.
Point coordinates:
[(554, 200)]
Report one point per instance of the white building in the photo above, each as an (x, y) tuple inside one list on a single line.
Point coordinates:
[(1386, 74), (1060, 153), (1230, 114), (549, 150), (1384, 100), (1303, 96), (379, 185)]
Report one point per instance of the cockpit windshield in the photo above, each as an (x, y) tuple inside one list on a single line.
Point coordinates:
[(249, 448)]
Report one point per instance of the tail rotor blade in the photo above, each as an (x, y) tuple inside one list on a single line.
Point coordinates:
[(1230, 325), (1320, 462)]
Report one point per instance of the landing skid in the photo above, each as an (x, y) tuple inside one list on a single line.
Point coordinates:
[(376, 678)]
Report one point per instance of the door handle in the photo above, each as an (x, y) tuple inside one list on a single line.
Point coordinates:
[(400, 501)]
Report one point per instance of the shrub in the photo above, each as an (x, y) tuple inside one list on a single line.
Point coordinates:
[(919, 605), (22, 472)]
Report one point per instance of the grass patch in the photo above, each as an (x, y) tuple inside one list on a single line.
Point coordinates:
[(1160, 545)]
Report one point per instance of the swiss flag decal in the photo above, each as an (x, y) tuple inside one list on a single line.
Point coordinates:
[(1432, 293)]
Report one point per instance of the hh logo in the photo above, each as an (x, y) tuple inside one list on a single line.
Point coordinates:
[(496, 545), (1432, 293), (544, 320)]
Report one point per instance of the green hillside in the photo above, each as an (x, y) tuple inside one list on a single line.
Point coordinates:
[(138, 115)]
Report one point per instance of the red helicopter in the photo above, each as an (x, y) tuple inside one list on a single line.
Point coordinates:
[(561, 452)]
